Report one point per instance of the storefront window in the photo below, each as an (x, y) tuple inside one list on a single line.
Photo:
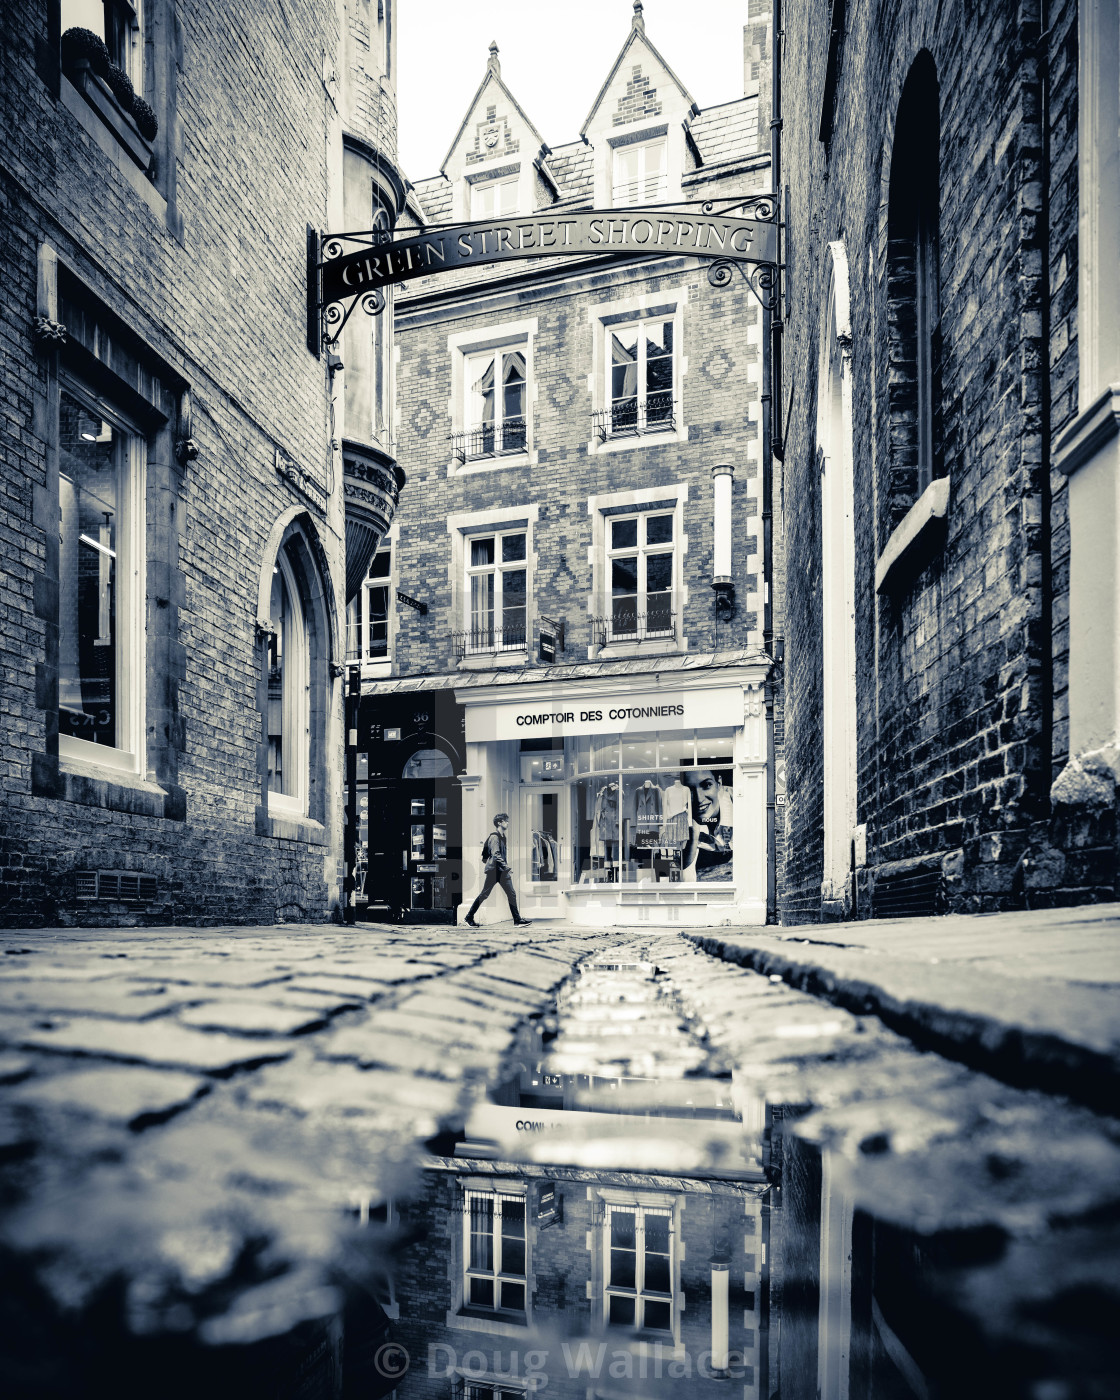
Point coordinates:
[(642, 809)]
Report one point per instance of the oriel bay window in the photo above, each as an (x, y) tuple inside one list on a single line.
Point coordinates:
[(640, 397), (638, 1273), (367, 617), (101, 585), (494, 1252), (640, 559), (496, 388), (496, 589)]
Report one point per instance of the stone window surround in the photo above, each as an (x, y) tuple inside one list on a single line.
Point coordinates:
[(295, 533), (647, 499), (150, 168), (651, 136), (603, 1197), (457, 1315), (460, 527), (608, 139), (486, 171), (154, 791), (461, 346), (603, 317)]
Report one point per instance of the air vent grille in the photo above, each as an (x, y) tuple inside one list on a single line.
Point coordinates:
[(121, 886)]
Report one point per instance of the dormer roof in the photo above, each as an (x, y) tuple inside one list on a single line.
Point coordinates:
[(639, 53), (491, 93)]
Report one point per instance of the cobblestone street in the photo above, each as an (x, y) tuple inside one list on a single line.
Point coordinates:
[(190, 1118)]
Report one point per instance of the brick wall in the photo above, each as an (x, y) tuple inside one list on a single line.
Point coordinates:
[(720, 405), (954, 664), (206, 266)]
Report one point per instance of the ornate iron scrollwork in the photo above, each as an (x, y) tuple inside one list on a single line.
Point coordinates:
[(372, 301), (761, 278)]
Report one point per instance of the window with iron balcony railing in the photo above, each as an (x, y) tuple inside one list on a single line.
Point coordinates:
[(626, 618), (490, 440), (655, 413)]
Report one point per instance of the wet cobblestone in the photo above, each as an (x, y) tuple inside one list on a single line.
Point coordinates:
[(217, 1101)]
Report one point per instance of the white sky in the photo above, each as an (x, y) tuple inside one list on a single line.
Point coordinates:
[(555, 55)]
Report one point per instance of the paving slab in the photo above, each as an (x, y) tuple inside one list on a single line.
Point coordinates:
[(119, 1093), (967, 987)]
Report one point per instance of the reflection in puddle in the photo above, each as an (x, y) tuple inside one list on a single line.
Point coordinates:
[(615, 1221)]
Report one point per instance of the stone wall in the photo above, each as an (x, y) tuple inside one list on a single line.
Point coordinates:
[(201, 266)]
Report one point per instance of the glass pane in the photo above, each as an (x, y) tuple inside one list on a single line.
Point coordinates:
[(278, 612), (659, 1316), (513, 548), (482, 1292), (623, 1268), (624, 1228), (676, 751), (659, 573), (513, 1256), (482, 1232), (659, 338), (439, 843), (714, 748), (624, 367), (659, 529), (604, 752), (482, 607), (91, 491), (482, 552), (419, 844), (513, 1296), (417, 807), (621, 1312), (624, 534), (380, 566), (624, 576), (353, 631), (439, 806), (657, 1237), (639, 751)]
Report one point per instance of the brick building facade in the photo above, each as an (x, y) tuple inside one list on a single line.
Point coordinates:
[(952, 709), (585, 550), (173, 500)]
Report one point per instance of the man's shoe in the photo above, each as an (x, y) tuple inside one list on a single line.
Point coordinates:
[(520, 923), (470, 923)]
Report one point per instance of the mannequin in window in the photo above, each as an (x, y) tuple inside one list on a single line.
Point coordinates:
[(605, 824)]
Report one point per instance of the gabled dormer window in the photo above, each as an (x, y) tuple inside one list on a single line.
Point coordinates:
[(640, 172), (494, 198)]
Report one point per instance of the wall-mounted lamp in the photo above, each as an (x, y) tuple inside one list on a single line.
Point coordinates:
[(721, 553)]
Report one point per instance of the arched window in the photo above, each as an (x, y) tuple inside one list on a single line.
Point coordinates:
[(297, 656), (288, 697), (913, 289)]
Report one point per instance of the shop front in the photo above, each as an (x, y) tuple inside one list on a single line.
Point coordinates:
[(643, 804), (404, 805)]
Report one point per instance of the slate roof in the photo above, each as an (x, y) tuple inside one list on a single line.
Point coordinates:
[(727, 132)]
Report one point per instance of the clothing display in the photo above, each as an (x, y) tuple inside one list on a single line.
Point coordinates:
[(604, 823), (676, 807), (546, 856)]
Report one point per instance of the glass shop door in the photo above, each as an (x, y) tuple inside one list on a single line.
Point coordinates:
[(432, 877)]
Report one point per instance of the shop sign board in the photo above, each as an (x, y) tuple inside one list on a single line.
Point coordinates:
[(635, 712), (665, 231)]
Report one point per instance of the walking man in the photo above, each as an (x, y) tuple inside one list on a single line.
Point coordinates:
[(498, 872)]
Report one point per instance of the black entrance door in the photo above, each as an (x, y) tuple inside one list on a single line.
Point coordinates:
[(433, 880), (415, 859)]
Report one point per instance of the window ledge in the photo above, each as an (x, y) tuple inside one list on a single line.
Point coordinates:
[(375, 670), (103, 136), (627, 651), (630, 441), (1089, 432), (101, 99), (469, 1321), (311, 833), (90, 785), (917, 533), (493, 660), (474, 465)]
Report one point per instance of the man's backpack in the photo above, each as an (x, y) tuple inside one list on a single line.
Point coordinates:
[(486, 850)]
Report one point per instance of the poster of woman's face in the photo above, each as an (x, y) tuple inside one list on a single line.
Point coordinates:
[(709, 851)]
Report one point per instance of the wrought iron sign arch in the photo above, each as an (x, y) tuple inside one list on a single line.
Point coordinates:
[(744, 236)]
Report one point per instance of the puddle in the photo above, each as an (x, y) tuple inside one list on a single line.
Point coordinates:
[(617, 1221)]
